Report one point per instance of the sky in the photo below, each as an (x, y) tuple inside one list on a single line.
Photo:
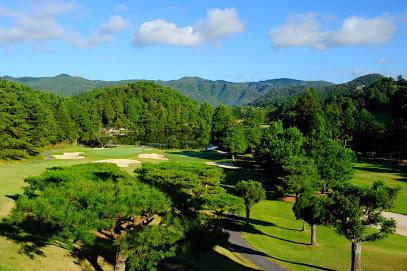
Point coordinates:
[(227, 40)]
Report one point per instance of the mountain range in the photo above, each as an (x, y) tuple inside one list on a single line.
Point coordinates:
[(199, 89)]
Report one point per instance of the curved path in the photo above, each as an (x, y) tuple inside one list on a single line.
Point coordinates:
[(401, 227), (239, 244)]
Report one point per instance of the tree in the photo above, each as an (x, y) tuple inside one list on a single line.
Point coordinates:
[(309, 111), (277, 144), (222, 120), (251, 192), (235, 141), (223, 203), (253, 118), (89, 201), (311, 208), (204, 129), (356, 213), (300, 175), (333, 160)]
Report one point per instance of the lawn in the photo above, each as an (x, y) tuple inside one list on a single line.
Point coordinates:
[(276, 233), (368, 172), (21, 256)]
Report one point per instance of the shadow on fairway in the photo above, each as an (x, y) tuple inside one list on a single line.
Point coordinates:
[(32, 237)]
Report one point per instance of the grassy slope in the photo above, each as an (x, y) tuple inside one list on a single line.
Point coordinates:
[(367, 173), (276, 233), (12, 254)]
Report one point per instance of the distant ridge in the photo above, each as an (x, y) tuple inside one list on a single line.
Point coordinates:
[(258, 93)]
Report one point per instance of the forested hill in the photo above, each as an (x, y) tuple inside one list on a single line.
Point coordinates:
[(275, 97), (31, 119), (200, 90)]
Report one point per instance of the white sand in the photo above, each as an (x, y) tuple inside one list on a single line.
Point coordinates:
[(155, 156), (120, 162), (223, 165), (401, 227), (222, 152), (70, 156)]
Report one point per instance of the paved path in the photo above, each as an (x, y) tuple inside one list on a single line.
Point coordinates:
[(239, 244), (401, 227)]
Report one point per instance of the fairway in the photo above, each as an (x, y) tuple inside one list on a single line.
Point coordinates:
[(276, 233), (368, 172), (19, 257)]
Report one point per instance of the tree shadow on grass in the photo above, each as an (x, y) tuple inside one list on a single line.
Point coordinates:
[(31, 243), (233, 223), (236, 223), (302, 264), (33, 237)]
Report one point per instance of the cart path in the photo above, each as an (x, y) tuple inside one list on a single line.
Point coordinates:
[(401, 227), (239, 244)]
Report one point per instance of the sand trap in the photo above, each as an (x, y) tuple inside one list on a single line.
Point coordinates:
[(70, 155), (155, 156), (222, 152), (401, 227), (223, 165), (120, 162)]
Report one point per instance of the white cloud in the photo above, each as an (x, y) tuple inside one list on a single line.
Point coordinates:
[(297, 31), (220, 23), (121, 7), (39, 23), (361, 31), (160, 31), (105, 34), (217, 25), (302, 30)]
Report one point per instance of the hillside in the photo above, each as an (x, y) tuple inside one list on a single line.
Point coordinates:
[(32, 119), (201, 90), (275, 97)]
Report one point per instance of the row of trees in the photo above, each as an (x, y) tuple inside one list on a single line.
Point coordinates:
[(317, 170)]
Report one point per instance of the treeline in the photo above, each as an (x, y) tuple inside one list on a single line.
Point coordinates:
[(371, 120), (31, 119)]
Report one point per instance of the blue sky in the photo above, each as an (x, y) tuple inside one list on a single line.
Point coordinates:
[(229, 40)]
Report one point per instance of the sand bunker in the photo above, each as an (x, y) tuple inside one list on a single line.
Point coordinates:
[(70, 156), (120, 162), (155, 156), (223, 165)]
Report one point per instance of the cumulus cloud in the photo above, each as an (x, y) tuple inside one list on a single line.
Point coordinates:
[(160, 31), (217, 25), (303, 30), (39, 23)]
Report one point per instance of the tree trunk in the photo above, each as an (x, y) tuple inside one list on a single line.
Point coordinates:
[(303, 226), (356, 256), (247, 215), (233, 157), (120, 261), (313, 234)]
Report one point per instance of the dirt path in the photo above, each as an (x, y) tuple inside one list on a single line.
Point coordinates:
[(401, 222), (240, 245)]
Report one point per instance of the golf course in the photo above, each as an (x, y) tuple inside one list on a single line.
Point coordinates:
[(274, 232)]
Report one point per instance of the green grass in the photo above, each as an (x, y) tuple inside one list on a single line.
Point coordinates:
[(277, 233), (13, 257), (367, 173)]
